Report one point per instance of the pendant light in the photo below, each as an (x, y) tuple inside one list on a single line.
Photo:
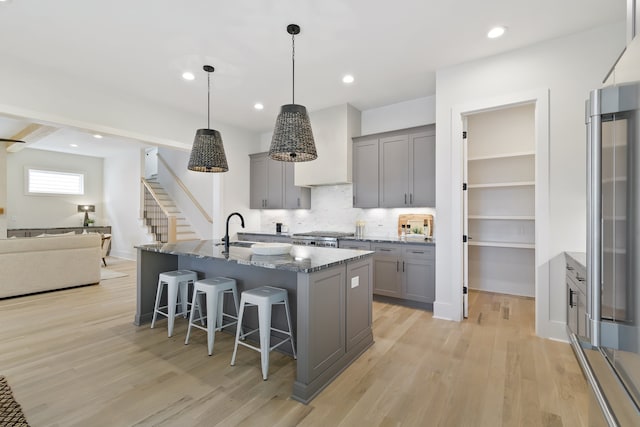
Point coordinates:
[(207, 152), (292, 136)]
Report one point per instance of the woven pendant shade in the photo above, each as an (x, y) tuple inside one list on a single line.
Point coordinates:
[(207, 152), (292, 139)]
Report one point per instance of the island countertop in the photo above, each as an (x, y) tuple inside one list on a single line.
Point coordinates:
[(301, 259)]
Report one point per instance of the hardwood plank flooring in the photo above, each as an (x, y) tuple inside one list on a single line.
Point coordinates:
[(74, 358)]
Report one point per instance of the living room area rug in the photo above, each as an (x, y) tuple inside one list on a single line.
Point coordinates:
[(10, 411), (106, 274)]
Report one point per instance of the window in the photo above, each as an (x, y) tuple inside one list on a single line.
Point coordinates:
[(54, 182)]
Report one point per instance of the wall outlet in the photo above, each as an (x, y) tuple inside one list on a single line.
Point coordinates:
[(355, 282)]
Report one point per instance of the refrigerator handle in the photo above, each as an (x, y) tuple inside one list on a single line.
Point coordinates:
[(594, 214)]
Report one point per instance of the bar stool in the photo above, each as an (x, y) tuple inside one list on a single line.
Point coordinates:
[(214, 290), (177, 283), (264, 298)]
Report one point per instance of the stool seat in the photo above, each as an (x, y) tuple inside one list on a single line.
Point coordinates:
[(264, 298), (177, 283), (214, 290)]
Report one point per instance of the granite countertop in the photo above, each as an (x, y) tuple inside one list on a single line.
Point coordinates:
[(301, 259), (579, 257), (403, 240)]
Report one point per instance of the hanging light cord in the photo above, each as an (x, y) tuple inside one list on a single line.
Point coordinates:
[(293, 68), (208, 100)]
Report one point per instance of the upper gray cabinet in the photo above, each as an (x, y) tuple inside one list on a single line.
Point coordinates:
[(395, 169), (271, 185), (365, 173)]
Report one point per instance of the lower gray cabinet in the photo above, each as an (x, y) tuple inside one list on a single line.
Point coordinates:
[(404, 271), (387, 278), (419, 274), (576, 299)]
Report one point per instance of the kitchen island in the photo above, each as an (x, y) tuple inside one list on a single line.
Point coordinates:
[(330, 294)]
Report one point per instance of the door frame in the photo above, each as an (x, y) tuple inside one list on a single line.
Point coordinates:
[(540, 98)]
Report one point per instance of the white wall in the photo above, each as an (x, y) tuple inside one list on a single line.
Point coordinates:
[(402, 115), (122, 201), (35, 211), (568, 68)]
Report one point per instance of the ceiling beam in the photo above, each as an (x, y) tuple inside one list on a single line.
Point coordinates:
[(30, 134)]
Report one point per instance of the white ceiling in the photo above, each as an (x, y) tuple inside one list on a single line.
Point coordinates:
[(392, 48)]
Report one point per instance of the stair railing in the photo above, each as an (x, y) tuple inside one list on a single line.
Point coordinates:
[(186, 190), (161, 222)]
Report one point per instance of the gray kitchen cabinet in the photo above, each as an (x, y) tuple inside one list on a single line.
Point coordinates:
[(294, 197), (354, 244), (576, 299), (400, 174), (387, 278), (271, 185), (422, 168), (365, 173), (404, 271), (394, 171), (419, 274)]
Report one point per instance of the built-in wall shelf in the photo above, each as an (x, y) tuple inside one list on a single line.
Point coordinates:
[(511, 245), (504, 217), (503, 156), (504, 184), (500, 220)]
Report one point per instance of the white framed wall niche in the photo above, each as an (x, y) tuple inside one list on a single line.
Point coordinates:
[(501, 179)]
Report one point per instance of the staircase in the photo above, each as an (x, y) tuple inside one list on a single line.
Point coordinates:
[(159, 209)]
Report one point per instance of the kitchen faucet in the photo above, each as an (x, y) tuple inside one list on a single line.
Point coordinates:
[(226, 234)]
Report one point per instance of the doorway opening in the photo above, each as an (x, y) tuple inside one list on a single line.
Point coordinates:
[(499, 218)]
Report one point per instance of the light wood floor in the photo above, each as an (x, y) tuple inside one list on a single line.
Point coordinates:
[(74, 358)]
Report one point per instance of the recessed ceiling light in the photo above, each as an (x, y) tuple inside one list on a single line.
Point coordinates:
[(496, 32), (97, 136), (70, 145), (258, 106), (348, 79), (188, 76)]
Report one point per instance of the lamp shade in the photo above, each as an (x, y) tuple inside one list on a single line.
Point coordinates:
[(292, 136), (207, 152), (86, 208)]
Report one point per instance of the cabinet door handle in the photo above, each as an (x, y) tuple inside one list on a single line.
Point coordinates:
[(410, 198), (298, 201), (571, 303), (417, 252), (384, 249), (405, 198), (403, 266), (397, 266)]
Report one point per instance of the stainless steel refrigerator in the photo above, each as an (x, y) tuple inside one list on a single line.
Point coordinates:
[(613, 243)]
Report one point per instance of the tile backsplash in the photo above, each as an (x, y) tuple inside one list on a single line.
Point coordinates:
[(331, 210)]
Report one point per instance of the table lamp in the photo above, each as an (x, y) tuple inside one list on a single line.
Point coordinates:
[(86, 209)]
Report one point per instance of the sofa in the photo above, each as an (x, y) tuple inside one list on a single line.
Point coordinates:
[(29, 265)]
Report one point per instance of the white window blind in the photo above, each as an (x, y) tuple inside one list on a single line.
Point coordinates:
[(54, 182)]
